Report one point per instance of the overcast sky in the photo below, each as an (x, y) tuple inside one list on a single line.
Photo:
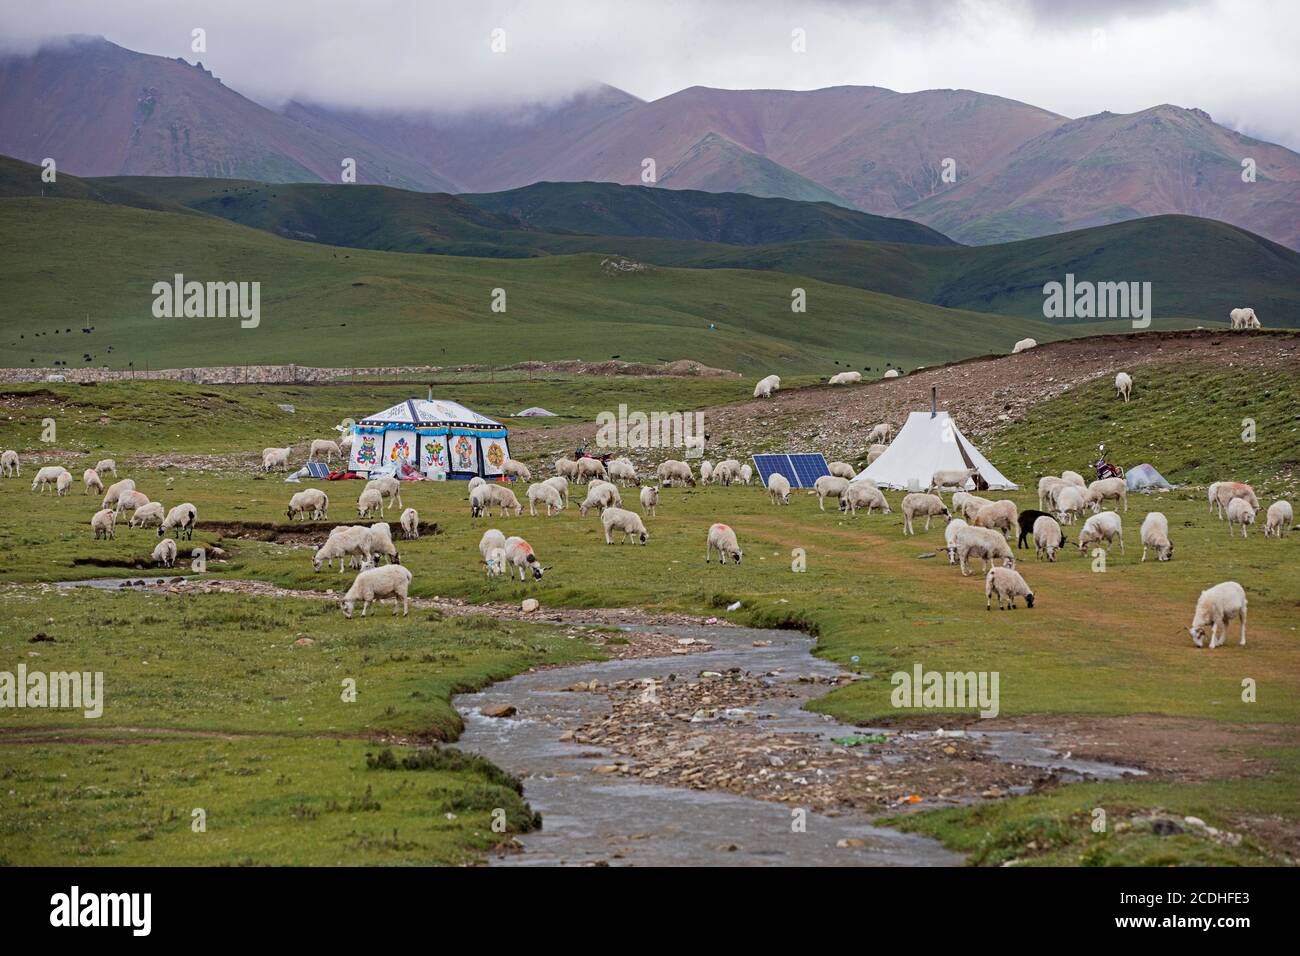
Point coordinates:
[(1236, 59)]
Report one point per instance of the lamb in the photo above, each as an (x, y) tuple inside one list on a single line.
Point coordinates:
[(673, 472), (104, 523), (1074, 478), (650, 500), (1278, 520), (313, 500), (951, 478), (828, 486), (841, 469), (589, 468), (516, 469), (9, 465), (622, 470), (116, 490), (519, 554), (180, 519), (1001, 516), (410, 521), (1069, 504), (706, 471), (722, 538), (1243, 319), (1155, 535), (985, 544), (375, 584), (1008, 585), (165, 553), (1104, 489), (1226, 491), (882, 433), (950, 532), (1240, 513), (547, 495), (859, 494), (1101, 527), (746, 474), (324, 445), (1048, 538), (64, 483), (276, 457), (920, 503), (1027, 519), (600, 495), (90, 478), (343, 541), (778, 488), (1123, 386), (566, 468), (381, 544), (150, 516), (875, 451), (49, 475), (369, 502), (628, 522), (560, 484), (1048, 485), (131, 501), (494, 560), (389, 488), (1216, 607), (491, 495), (846, 378), (766, 386), (1022, 345)]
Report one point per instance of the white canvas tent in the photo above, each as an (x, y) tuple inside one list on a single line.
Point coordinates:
[(439, 438), (929, 442)]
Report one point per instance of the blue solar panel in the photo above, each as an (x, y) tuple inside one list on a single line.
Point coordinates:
[(317, 469), (800, 470)]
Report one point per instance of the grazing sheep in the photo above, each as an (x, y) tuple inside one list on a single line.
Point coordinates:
[(1048, 537), (566, 468), (1008, 585), (623, 470), (1105, 489), (324, 445), (1216, 607), (165, 553), (1240, 513), (49, 476), (9, 465), (589, 468), (491, 495), (766, 386), (375, 584), (1001, 516), (475, 482), (1278, 520), (389, 488), (106, 465), (955, 478), (1212, 495), (150, 516), (1244, 319), (778, 488), (313, 500), (381, 544), (845, 378), (64, 483), (828, 486), (343, 541), (950, 531), (841, 469), (627, 522), (600, 495), (116, 490), (1048, 485), (494, 560), (131, 501), (1155, 535), (859, 494), (706, 471), (410, 521), (672, 472), (370, 502), (547, 495), (519, 554), (1074, 478), (1069, 504), (180, 519), (875, 451), (722, 538), (90, 478), (650, 500), (891, 373), (746, 474), (492, 538), (1123, 386), (921, 503), (560, 484), (276, 458), (104, 523), (883, 433), (1022, 345), (985, 544), (1226, 491), (1027, 519), (345, 446), (1101, 527), (516, 469)]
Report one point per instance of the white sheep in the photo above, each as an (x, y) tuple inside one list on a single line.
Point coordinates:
[(706, 471), (1212, 495), (1048, 485), (370, 502), (547, 495), (956, 478), (516, 469), (560, 484), (1048, 537), (1278, 520), (107, 465), (9, 465), (881, 432), (722, 538), (64, 483), (629, 523), (862, 494), (375, 584), (1101, 527), (1123, 386), (650, 500), (475, 482), (491, 495), (1008, 585), (1216, 607), (589, 468), (950, 532), (841, 469), (381, 544), (1240, 513), (1155, 535), (828, 486), (104, 523), (920, 503), (180, 519), (494, 560), (566, 468), (116, 490), (1069, 504), (1024, 344), (519, 555), (1226, 491), (725, 472), (90, 478), (313, 500), (276, 458), (767, 386), (672, 472), (983, 543), (345, 446), (131, 501), (875, 451), (600, 495), (623, 470), (1105, 489), (149, 516), (49, 477), (778, 488), (326, 447), (389, 488), (746, 474), (968, 505), (1243, 319), (492, 538), (1074, 478), (846, 378), (1001, 516), (343, 541), (891, 373), (410, 521), (165, 553)]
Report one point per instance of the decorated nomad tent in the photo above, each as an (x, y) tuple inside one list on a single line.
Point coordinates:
[(438, 438), (929, 442)]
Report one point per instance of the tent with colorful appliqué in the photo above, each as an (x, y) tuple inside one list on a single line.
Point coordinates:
[(435, 437)]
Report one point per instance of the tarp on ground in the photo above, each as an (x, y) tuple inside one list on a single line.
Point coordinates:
[(930, 442), (1145, 478)]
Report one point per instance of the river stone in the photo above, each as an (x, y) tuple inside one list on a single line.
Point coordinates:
[(499, 710), (530, 605)]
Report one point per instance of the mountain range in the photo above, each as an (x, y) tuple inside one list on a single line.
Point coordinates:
[(1017, 171)]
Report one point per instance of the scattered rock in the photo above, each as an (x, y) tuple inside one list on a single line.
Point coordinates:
[(530, 605), (499, 710)]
